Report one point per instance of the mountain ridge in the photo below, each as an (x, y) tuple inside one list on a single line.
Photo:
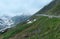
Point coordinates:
[(52, 8)]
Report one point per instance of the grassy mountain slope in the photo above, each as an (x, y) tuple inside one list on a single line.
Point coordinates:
[(53, 8), (42, 28)]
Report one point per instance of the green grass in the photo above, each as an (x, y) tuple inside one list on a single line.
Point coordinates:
[(50, 29), (52, 9), (55, 10), (18, 29)]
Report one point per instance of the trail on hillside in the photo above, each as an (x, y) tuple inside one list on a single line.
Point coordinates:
[(51, 16)]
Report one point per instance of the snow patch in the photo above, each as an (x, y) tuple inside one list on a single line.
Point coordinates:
[(34, 20), (5, 23), (30, 21)]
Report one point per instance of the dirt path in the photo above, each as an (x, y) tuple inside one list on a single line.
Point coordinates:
[(0, 36)]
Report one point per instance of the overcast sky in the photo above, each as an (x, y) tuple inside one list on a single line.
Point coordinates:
[(17, 7)]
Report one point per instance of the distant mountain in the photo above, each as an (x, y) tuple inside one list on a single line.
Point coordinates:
[(5, 23), (8, 22), (19, 19)]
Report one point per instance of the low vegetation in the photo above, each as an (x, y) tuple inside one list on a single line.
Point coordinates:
[(42, 28)]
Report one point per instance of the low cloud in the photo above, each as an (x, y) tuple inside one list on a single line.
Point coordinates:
[(16, 7)]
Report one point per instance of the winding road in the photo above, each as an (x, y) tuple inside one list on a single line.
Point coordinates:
[(50, 16)]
